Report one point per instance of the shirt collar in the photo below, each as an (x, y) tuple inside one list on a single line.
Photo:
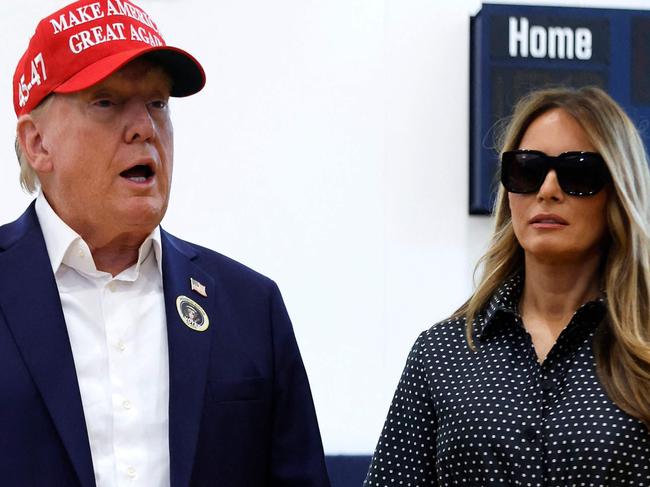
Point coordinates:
[(65, 246), (505, 302)]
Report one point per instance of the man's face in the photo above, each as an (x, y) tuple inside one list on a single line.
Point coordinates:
[(111, 153)]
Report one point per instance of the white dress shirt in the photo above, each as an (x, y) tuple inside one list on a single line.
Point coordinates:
[(118, 335)]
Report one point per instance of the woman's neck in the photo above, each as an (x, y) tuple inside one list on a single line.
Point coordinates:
[(552, 292)]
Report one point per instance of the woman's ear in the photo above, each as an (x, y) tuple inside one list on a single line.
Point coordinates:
[(30, 141)]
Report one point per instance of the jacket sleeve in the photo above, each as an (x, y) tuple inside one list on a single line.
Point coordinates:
[(406, 451), (296, 449)]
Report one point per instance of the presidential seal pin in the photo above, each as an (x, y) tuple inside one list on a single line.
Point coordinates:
[(192, 314), (198, 287)]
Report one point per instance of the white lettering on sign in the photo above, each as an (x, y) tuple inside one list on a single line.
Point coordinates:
[(583, 43), (553, 42), (561, 42), (38, 75), (537, 41)]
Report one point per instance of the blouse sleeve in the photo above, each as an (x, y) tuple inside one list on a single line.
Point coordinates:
[(406, 451)]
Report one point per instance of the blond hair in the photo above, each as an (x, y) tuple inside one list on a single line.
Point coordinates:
[(622, 343), (28, 178)]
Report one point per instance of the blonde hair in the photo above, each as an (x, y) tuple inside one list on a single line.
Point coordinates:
[(28, 178), (622, 343)]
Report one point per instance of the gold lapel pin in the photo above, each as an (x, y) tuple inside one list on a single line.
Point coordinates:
[(198, 287)]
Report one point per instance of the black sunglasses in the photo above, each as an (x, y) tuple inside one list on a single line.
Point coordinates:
[(579, 173)]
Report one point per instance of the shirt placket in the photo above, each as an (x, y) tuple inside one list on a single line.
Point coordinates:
[(549, 379), (552, 375), (125, 410), (533, 412)]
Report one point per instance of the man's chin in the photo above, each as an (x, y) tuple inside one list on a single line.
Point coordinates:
[(143, 214)]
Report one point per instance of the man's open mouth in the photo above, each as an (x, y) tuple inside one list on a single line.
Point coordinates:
[(140, 173)]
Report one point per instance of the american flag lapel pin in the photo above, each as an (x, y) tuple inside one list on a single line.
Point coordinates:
[(198, 287)]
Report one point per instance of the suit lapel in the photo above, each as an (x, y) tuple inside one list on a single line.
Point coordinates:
[(188, 355), (31, 305)]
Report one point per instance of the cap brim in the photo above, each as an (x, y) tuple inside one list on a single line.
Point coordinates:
[(187, 74)]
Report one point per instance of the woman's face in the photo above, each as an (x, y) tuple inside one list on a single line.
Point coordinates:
[(551, 225)]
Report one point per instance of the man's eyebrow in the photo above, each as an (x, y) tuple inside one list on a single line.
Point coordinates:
[(163, 92), (99, 91)]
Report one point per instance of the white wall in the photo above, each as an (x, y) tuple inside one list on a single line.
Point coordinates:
[(329, 151)]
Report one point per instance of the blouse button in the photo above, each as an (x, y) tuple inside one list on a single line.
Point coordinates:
[(547, 385), (530, 434)]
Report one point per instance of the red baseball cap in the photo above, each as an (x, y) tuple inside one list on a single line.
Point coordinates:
[(87, 41)]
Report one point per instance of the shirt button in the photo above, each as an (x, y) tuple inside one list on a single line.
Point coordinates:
[(112, 285), (126, 404), (530, 434), (120, 345), (130, 472), (547, 385)]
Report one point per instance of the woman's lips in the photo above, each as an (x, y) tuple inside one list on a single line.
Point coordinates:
[(548, 220)]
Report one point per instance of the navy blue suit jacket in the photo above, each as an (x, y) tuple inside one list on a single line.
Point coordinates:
[(240, 408)]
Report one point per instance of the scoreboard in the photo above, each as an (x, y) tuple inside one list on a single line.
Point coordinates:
[(515, 49)]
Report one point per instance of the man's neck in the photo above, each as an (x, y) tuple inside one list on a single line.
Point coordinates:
[(113, 249), (115, 256)]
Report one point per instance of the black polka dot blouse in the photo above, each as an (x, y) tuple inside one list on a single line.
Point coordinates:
[(498, 417)]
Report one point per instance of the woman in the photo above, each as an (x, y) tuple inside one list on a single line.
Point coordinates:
[(543, 376)]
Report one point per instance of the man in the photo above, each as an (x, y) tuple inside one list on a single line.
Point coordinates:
[(128, 356)]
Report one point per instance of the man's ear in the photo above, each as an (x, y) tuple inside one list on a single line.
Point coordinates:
[(30, 140)]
